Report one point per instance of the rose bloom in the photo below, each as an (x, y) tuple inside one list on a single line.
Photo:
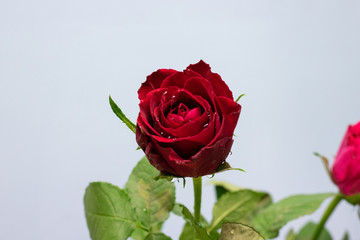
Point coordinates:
[(186, 120), (346, 169)]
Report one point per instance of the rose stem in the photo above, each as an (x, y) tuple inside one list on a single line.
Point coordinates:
[(326, 215), (197, 198)]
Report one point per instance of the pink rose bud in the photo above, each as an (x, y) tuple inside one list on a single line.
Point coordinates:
[(346, 169), (186, 120)]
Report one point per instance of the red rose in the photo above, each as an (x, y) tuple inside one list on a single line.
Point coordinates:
[(346, 169), (186, 120)]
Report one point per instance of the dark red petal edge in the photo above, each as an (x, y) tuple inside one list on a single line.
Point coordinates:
[(220, 87)]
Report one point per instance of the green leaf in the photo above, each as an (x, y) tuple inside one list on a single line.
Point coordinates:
[(108, 212), (353, 199), (121, 115), (200, 231), (157, 236), (222, 187), (228, 186), (139, 234), (236, 231), (291, 235), (307, 231), (346, 236), (237, 207), (269, 221), (188, 232), (220, 191), (153, 199)]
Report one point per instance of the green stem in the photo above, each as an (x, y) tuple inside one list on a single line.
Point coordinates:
[(197, 198), (326, 215)]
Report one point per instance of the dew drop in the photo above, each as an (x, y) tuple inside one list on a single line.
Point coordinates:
[(206, 125), (162, 133)]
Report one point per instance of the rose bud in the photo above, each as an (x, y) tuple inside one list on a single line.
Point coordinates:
[(346, 169), (186, 120)]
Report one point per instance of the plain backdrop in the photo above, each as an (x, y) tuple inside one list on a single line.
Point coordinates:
[(298, 62)]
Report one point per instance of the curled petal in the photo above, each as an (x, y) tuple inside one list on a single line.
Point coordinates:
[(230, 112), (220, 87), (205, 162), (153, 81), (151, 153)]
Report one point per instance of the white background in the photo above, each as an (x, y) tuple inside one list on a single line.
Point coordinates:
[(296, 61)]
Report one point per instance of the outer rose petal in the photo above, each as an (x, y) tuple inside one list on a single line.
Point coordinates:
[(179, 79), (342, 165), (356, 129), (220, 87), (346, 168), (230, 112), (148, 148), (205, 162), (153, 81)]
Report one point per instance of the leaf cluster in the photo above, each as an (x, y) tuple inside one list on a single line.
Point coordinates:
[(138, 210)]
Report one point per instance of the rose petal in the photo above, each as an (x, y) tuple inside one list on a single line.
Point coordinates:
[(187, 146), (181, 96), (153, 81), (219, 86), (147, 106), (356, 129), (190, 128), (201, 87), (346, 169), (193, 114), (230, 112), (205, 162), (179, 79), (151, 153)]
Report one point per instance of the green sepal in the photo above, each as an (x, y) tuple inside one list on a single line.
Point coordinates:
[(226, 167), (353, 199), (121, 115), (239, 97), (325, 162)]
